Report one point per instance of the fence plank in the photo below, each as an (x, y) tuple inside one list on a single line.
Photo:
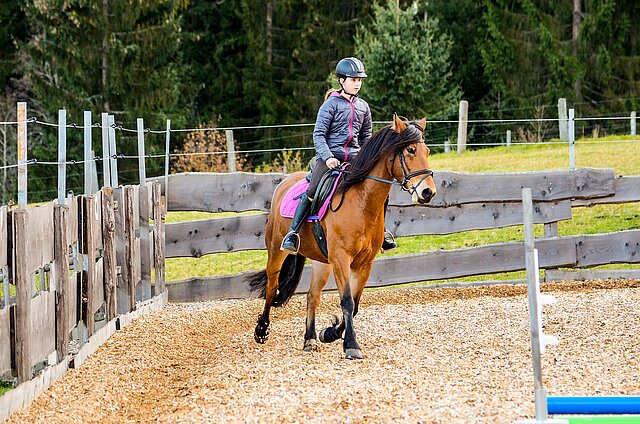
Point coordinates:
[(418, 220), (110, 264), (627, 189), (503, 257), (24, 292), (5, 334), (144, 287), (214, 192), (122, 292), (90, 280), (42, 326), (620, 247), (158, 237), (246, 232), (456, 188), (39, 241), (591, 274), (61, 267), (131, 246)]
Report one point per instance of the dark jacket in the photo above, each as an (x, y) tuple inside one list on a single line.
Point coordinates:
[(342, 127)]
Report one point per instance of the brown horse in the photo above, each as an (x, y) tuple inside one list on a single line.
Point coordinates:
[(354, 231)]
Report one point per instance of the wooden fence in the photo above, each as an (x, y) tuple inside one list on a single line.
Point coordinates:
[(464, 202), (74, 272)]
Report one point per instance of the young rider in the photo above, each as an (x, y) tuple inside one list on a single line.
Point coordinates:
[(342, 126)]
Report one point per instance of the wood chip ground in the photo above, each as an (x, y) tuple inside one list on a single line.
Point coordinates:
[(431, 356)]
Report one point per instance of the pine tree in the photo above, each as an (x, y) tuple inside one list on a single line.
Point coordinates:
[(408, 62)]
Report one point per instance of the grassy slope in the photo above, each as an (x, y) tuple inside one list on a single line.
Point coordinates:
[(619, 154)]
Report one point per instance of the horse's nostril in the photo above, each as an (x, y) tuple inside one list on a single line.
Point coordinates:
[(427, 193)]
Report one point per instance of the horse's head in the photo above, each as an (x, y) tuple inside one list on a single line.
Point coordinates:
[(410, 163)]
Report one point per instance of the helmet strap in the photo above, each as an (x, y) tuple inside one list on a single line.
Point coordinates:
[(343, 90)]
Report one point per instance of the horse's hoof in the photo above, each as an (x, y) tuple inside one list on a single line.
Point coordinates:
[(353, 354), (260, 338), (310, 345), (323, 336)]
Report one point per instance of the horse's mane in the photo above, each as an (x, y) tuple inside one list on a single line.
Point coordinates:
[(382, 144)]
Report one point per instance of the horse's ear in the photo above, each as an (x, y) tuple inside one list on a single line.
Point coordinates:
[(423, 123), (398, 124)]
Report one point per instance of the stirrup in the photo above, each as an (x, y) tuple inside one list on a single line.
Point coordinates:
[(297, 245), (391, 243)]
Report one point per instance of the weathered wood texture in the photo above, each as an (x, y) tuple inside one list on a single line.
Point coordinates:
[(132, 246), (246, 232), (591, 274), (144, 287), (61, 275), (24, 292), (5, 334), (110, 264), (159, 216), (39, 240), (242, 191), (570, 251), (627, 189), (42, 326)]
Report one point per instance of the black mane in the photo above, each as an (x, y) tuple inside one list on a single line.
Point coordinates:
[(384, 143)]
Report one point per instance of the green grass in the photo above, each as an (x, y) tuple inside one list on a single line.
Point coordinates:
[(611, 152), (5, 387)]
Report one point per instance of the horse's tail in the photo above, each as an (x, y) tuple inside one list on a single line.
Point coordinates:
[(288, 280)]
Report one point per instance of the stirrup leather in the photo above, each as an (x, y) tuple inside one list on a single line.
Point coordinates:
[(297, 244)]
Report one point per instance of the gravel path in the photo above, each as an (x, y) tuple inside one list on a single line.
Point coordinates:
[(431, 356)]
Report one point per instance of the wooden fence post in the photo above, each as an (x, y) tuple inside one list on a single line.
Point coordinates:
[(231, 151), (61, 266), (109, 244), (159, 237), (24, 293), (90, 285), (143, 290), (562, 120), (463, 118), (130, 245), (22, 154)]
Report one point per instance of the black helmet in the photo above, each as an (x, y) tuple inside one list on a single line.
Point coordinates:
[(350, 67)]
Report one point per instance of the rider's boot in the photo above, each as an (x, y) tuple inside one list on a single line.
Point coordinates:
[(389, 241), (291, 240)]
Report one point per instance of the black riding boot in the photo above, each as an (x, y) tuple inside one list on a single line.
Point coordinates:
[(290, 241), (389, 242)]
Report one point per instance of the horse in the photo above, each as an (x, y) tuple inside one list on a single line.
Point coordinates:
[(354, 228)]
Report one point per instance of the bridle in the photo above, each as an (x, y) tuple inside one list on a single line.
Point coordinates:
[(406, 183)]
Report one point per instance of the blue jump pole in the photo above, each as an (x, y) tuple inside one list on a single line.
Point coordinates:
[(593, 404)]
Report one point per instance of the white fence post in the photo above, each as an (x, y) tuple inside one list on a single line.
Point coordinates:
[(62, 156), (22, 154), (572, 140), (113, 155), (142, 172), (106, 170), (88, 189), (508, 138), (633, 123), (166, 161), (463, 117)]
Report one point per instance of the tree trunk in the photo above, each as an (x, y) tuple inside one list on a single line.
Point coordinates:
[(269, 35), (575, 32)]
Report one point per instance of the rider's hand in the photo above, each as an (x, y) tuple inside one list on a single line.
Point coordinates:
[(332, 163)]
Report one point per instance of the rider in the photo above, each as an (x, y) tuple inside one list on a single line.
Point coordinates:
[(342, 126)]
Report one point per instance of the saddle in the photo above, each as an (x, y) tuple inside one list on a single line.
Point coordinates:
[(322, 200)]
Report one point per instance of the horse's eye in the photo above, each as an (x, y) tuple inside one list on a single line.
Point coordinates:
[(411, 150)]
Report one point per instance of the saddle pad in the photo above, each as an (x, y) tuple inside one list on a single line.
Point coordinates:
[(292, 198)]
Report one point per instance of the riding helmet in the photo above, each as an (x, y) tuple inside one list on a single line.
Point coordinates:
[(350, 67)]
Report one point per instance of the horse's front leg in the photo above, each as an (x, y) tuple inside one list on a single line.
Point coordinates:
[(342, 273), (319, 276)]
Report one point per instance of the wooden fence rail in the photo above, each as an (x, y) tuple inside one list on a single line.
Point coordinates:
[(464, 202), (70, 271)]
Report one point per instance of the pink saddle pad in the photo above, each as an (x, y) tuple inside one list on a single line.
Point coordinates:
[(292, 198)]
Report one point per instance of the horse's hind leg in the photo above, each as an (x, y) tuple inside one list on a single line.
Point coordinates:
[(274, 263), (319, 276)]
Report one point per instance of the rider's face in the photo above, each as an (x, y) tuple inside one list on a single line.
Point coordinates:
[(352, 85)]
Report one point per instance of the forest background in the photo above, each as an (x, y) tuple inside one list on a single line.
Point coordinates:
[(249, 63)]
